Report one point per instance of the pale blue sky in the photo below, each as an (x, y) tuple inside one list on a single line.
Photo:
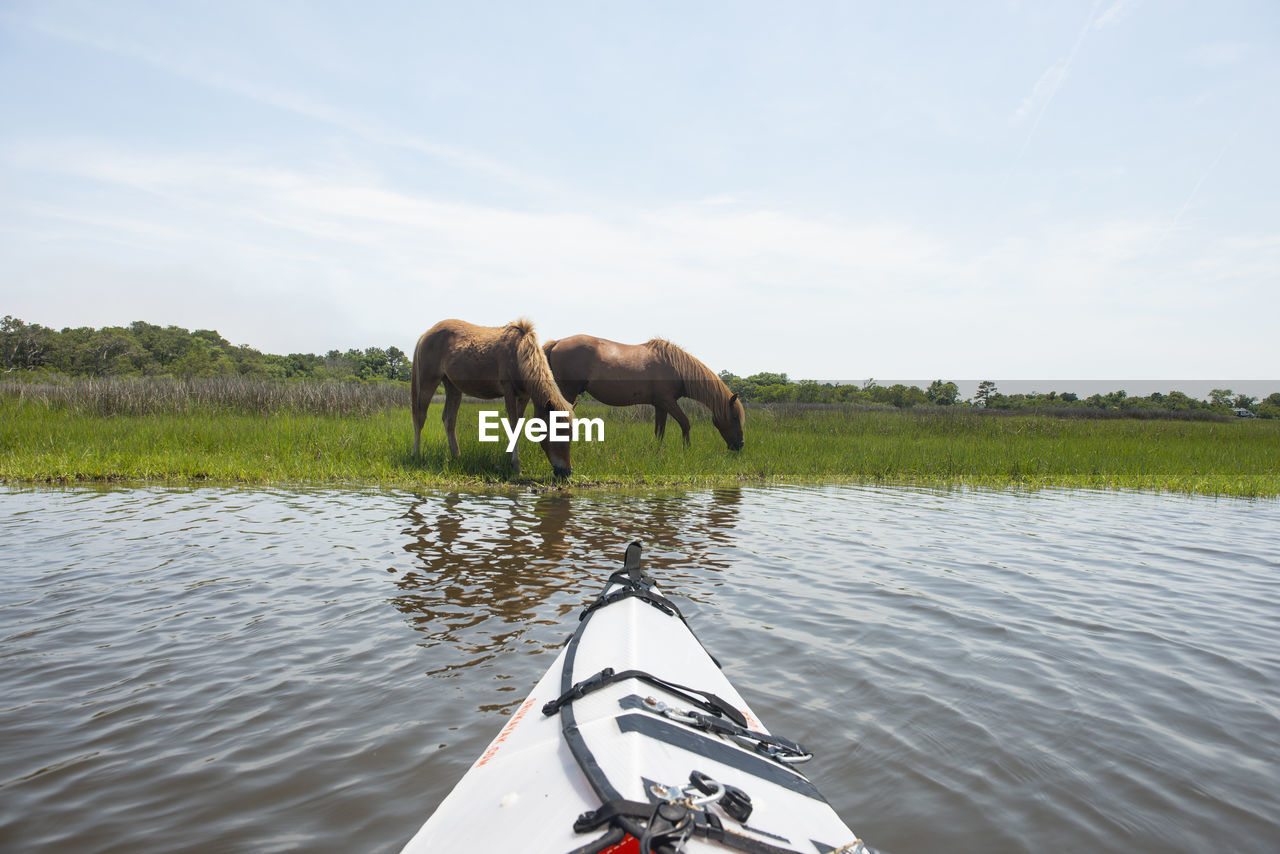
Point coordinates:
[(1017, 190)]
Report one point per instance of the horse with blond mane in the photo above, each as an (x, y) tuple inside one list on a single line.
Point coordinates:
[(486, 362), (656, 372)]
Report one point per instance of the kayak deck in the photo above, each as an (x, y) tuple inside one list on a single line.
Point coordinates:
[(612, 739)]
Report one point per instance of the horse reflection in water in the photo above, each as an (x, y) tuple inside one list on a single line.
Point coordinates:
[(494, 574)]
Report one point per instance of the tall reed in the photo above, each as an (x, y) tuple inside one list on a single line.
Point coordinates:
[(166, 395)]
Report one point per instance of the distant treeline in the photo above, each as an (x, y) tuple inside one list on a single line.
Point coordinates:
[(146, 350), (777, 388)]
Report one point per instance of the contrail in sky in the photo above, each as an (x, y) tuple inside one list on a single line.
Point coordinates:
[(1192, 195), (1051, 81)]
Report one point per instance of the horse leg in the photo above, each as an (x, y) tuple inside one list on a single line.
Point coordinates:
[(678, 414), (659, 422), (452, 400), (515, 411), (421, 388)]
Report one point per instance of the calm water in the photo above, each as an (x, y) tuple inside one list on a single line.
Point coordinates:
[(226, 670)]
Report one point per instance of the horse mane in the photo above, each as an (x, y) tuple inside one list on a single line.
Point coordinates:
[(534, 369), (700, 382)]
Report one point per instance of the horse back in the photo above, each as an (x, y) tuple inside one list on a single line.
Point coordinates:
[(477, 359), (614, 373)]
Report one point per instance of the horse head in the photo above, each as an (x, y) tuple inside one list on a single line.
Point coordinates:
[(730, 423), (557, 451)]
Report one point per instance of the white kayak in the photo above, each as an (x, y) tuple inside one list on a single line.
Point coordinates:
[(634, 741)]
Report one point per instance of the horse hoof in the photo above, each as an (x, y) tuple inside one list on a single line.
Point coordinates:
[(561, 473)]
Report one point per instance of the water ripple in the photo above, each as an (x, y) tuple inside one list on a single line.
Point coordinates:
[(281, 670)]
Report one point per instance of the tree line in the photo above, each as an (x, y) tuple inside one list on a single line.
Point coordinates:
[(778, 388), (145, 349)]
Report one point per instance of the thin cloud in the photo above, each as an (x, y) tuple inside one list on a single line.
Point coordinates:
[(204, 74), (1046, 88), (356, 247), (234, 214), (1115, 13), (1177, 218), (1042, 93)]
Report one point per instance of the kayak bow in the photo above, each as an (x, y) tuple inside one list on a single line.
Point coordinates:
[(635, 741)]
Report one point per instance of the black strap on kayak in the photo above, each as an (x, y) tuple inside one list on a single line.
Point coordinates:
[(582, 754), (662, 603), (784, 750), (621, 819), (634, 582), (631, 562), (703, 699), (631, 574)]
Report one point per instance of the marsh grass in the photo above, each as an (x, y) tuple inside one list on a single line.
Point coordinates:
[(362, 435), (166, 395)]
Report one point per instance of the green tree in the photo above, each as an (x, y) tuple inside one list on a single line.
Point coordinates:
[(115, 352), (164, 344), (24, 346), (746, 389), (898, 395), (376, 363), (942, 394), (144, 348), (373, 364), (203, 359), (982, 397), (305, 365), (398, 364), (1177, 400)]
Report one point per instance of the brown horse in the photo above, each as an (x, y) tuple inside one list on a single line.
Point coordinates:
[(656, 372), (486, 362)]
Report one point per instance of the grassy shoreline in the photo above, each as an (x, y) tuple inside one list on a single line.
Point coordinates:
[(43, 442)]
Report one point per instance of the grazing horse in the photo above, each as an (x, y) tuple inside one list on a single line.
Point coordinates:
[(486, 362), (656, 372)]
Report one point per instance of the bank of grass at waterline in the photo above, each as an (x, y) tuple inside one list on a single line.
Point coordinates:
[(47, 441)]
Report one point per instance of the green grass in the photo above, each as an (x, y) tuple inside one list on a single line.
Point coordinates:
[(44, 441)]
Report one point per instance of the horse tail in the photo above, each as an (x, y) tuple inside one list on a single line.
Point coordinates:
[(419, 397), (534, 368), (416, 369), (413, 385)]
